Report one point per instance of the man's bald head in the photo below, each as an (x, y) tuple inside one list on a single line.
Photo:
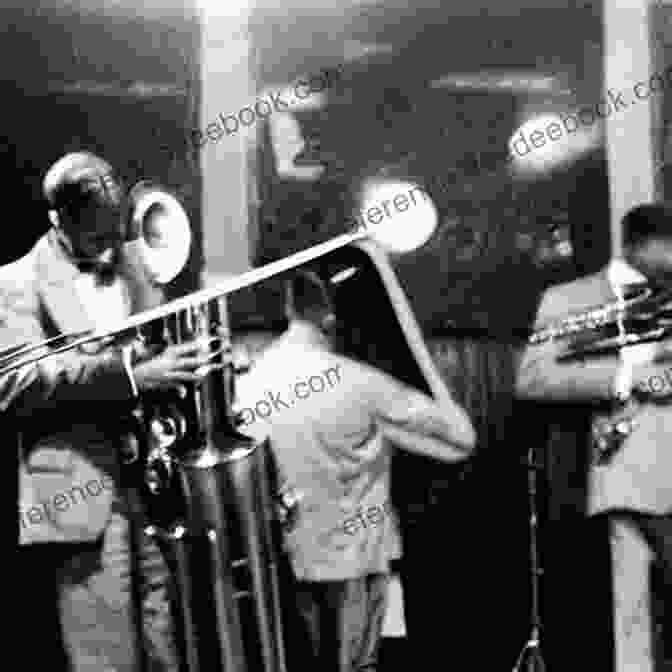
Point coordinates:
[(86, 202)]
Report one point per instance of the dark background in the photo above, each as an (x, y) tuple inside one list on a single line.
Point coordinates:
[(70, 79), (119, 81)]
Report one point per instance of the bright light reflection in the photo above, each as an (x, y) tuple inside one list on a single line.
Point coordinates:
[(409, 217), (549, 151)]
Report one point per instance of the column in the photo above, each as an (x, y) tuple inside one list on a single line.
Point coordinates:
[(629, 139), (228, 85), (627, 60)]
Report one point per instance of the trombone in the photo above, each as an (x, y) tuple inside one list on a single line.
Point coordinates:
[(17, 357), (645, 313), (642, 315)]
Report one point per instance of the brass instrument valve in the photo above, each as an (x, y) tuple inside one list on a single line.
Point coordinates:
[(164, 432), (289, 500), (159, 470)]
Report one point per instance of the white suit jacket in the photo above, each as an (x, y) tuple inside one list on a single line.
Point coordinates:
[(333, 423), (67, 468)]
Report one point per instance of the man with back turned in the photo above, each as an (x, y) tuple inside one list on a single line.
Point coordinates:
[(333, 447)]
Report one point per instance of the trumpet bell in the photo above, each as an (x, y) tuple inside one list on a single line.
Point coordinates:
[(160, 232)]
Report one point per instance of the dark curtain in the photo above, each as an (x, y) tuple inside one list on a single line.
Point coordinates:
[(577, 600), (589, 213), (474, 532), (480, 573)]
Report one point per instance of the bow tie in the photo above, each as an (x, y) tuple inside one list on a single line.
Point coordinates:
[(104, 273)]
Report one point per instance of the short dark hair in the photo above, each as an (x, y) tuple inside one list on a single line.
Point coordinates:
[(646, 222), (79, 179), (308, 294)]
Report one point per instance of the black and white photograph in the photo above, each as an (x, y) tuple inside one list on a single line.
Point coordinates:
[(336, 335)]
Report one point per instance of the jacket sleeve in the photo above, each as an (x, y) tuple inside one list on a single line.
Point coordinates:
[(418, 424), (540, 376), (64, 378)]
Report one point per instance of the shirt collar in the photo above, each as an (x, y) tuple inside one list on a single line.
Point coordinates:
[(304, 333)]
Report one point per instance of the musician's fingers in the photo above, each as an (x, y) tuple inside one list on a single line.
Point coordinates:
[(191, 363), (226, 353), (172, 386), (193, 346), (182, 377), (202, 360), (205, 370)]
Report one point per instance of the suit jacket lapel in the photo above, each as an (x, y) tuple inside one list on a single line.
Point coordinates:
[(56, 278)]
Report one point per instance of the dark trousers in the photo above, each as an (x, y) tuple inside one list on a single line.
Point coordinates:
[(338, 624), (657, 530), (42, 641)]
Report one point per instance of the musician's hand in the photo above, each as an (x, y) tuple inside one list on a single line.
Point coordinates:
[(176, 365)]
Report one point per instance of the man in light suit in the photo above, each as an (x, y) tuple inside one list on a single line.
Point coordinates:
[(332, 423), (67, 412), (634, 480)]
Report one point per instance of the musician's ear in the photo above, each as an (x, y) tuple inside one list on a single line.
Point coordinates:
[(328, 324)]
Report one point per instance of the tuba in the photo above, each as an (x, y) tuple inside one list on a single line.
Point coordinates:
[(209, 494), (207, 490)]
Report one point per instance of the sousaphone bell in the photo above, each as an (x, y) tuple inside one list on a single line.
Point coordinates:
[(159, 234)]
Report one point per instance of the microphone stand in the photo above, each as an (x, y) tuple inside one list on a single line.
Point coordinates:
[(531, 658)]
